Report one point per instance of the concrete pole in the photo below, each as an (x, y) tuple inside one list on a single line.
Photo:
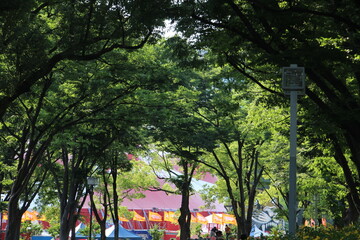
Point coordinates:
[(292, 169)]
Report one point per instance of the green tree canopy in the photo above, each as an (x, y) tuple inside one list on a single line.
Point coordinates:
[(259, 37), (37, 35)]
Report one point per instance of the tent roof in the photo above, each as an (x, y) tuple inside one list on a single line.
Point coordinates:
[(165, 201), (256, 232), (123, 233), (161, 200)]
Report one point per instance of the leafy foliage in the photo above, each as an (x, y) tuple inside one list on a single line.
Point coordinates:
[(156, 233), (30, 229)]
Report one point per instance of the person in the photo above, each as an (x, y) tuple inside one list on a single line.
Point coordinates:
[(219, 235), (213, 233), (227, 232)]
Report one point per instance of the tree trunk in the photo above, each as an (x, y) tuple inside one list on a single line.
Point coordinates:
[(14, 221), (352, 137), (240, 183), (115, 206), (14, 213), (25, 171), (353, 198), (72, 237), (116, 230), (102, 234), (64, 226), (248, 220), (185, 216), (67, 219), (101, 221), (351, 214), (64, 229)]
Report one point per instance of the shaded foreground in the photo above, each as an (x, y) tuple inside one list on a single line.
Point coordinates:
[(320, 233)]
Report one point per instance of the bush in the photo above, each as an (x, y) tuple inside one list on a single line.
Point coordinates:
[(156, 233), (30, 229), (320, 233)]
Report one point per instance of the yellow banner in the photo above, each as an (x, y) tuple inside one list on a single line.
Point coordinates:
[(27, 216), (153, 216), (170, 217), (138, 217), (193, 219), (228, 219), (123, 219), (201, 219), (215, 218), (5, 216)]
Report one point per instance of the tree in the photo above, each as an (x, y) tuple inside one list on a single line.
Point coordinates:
[(121, 178), (156, 233), (75, 161), (181, 140), (52, 215), (32, 124), (182, 135), (70, 110), (266, 35), (245, 130), (226, 111), (30, 229), (146, 75), (29, 140), (37, 35)]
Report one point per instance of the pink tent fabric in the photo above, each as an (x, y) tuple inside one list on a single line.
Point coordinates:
[(163, 201)]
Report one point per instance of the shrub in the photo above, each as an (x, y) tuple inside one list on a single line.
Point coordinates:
[(351, 232)]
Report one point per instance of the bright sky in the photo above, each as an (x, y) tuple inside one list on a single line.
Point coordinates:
[(169, 30)]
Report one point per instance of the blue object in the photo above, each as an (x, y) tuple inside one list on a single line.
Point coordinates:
[(41, 238), (123, 234), (144, 234)]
